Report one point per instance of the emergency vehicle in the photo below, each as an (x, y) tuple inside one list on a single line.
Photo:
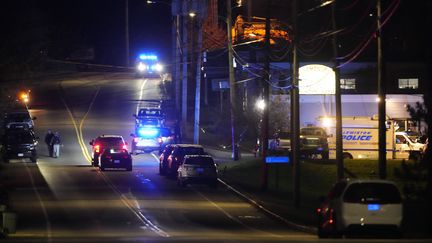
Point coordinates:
[(360, 139), (148, 65)]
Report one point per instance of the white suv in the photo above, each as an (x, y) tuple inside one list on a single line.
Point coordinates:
[(197, 169), (355, 205)]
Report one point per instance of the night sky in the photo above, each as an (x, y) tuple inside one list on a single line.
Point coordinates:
[(59, 27), (68, 25)]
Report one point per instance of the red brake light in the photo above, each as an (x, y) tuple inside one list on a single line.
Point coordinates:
[(97, 148), (124, 146)]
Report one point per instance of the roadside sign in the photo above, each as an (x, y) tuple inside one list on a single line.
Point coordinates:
[(277, 159)]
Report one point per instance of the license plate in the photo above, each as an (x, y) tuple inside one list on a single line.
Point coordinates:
[(373, 207), (20, 155), (116, 161), (200, 170)]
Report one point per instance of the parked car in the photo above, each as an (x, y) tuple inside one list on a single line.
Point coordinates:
[(18, 120), (163, 159), (360, 205), (19, 144), (103, 142), (197, 169), (178, 154), (115, 158)]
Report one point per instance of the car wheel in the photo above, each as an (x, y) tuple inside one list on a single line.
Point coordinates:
[(95, 161)]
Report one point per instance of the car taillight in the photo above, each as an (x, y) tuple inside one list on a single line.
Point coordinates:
[(331, 218), (124, 146), (97, 148)]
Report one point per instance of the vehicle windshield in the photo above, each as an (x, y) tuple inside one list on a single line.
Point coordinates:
[(115, 151), (206, 161), (192, 150), (382, 193), (148, 121), (312, 131), (106, 142), (150, 112)]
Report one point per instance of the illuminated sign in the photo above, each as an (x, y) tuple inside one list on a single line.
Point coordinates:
[(316, 79), (277, 159)]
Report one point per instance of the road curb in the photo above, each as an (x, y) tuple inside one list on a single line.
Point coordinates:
[(303, 228)]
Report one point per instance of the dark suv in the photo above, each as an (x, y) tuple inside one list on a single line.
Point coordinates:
[(103, 142), (178, 154), (18, 120), (18, 144)]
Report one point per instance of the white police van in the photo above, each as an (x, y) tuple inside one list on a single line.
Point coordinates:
[(360, 139)]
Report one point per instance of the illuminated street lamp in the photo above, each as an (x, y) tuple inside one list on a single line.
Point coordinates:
[(260, 104)]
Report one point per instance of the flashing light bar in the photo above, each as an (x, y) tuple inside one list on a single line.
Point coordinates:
[(147, 57), (148, 132)]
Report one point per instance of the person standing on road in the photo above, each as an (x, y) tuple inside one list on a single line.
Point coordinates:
[(55, 142), (48, 138)]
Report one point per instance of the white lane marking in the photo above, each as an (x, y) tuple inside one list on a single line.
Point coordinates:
[(134, 208), (234, 218), (141, 94), (44, 211)]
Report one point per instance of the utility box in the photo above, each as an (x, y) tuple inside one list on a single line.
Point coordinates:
[(9, 222)]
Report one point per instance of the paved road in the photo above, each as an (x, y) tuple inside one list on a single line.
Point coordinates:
[(67, 199)]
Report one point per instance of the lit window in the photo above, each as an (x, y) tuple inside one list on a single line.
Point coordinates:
[(408, 83), (348, 83)]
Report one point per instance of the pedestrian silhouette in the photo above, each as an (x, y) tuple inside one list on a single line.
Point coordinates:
[(56, 142), (48, 138)]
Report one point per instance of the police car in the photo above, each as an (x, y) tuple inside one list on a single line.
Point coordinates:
[(150, 138), (147, 65)]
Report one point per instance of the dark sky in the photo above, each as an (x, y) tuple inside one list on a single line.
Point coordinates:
[(62, 26), (71, 24)]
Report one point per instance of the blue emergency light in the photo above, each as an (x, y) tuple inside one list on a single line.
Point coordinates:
[(148, 57), (148, 132)]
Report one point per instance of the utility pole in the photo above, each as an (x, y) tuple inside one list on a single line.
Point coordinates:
[(176, 10), (265, 90), (338, 100), (185, 67), (198, 81), (233, 103), (382, 163), (127, 33), (295, 128)]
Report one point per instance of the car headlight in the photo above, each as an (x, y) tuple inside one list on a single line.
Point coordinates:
[(158, 67), (141, 67)]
